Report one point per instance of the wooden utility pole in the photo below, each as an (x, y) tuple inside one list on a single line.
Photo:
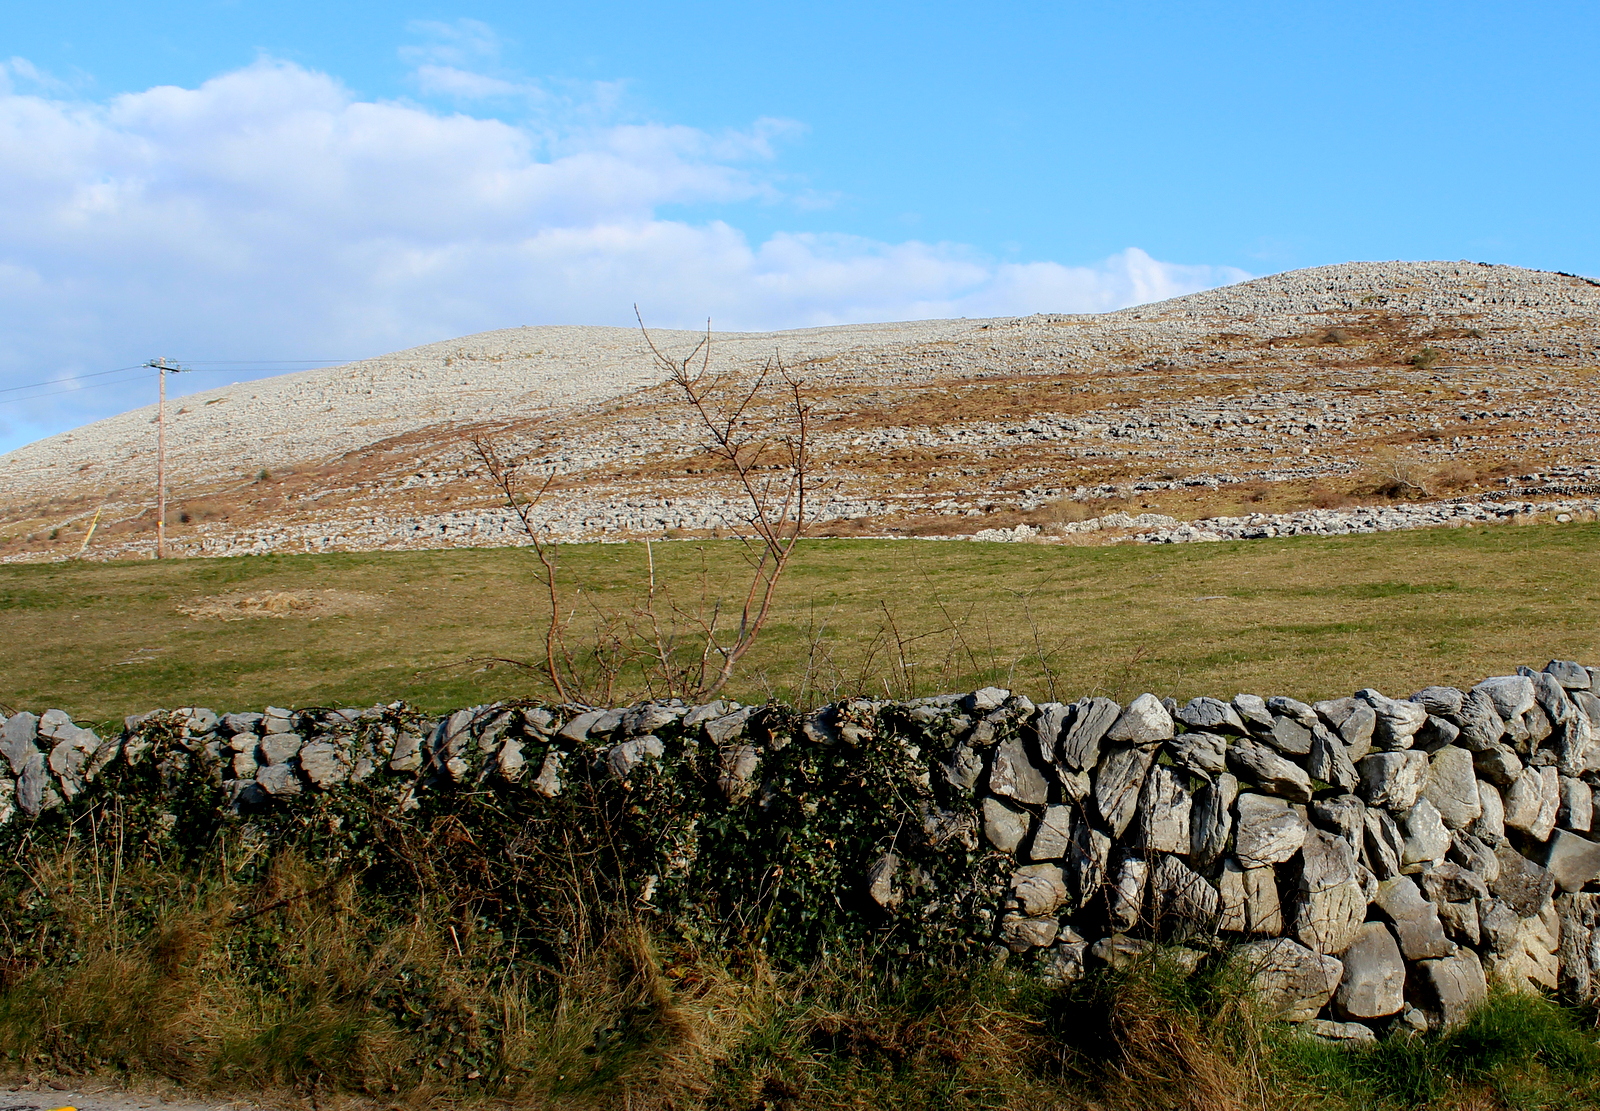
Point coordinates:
[(162, 366)]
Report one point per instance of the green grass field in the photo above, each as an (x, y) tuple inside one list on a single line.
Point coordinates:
[(1309, 617)]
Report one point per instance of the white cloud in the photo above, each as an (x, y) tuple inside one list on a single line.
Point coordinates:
[(270, 213)]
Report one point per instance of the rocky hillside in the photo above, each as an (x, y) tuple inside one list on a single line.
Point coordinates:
[(1292, 398)]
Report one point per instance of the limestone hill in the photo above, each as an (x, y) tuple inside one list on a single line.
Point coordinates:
[(1322, 388)]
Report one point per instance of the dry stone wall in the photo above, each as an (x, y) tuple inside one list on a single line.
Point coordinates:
[(1376, 861)]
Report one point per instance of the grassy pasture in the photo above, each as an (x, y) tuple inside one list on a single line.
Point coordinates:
[(1309, 617)]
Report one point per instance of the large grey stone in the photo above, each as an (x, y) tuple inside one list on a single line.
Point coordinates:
[(1427, 839), (578, 728), (1269, 831), (1211, 820), (1164, 809), (33, 780), (1185, 901), (1449, 882), (1330, 901), (1344, 815), (278, 748), (1249, 897), (1442, 702), (1288, 736), (71, 756), (1498, 764), (1117, 782), (1252, 710), (1269, 771), (1210, 714), (1091, 854), (17, 738), (1573, 676), (1457, 984), (407, 755), (1328, 760), (1491, 824), (1392, 780), (1125, 898), (1397, 722), (1052, 837), (1144, 722), (1291, 981), (1021, 934), (1203, 754), (1511, 695), (1038, 889), (1079, 747), (1047, 726), (1452, 787), (1522, 885), (1436, 732), (324, 765), (1480, 723), (1341, 1033), (1374, 981), (1473, 854), (964, 767), (1415, 919), (1549, 803), (1004, 826), (1573, 860), (1282, 706), (1354, 721), (1014, 774), (278, 780), (1577, 805), (736, 771), (548, 781), (628, 757)]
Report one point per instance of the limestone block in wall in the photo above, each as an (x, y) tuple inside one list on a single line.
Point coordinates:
[(548, 782), (1397, 722), (1426, 838), (1282, 706), (1079, 745), (1255, 762), (1330, 901), (1021, 934), (1210, 715), (1052, 836), (1533, 962), (1185, 901), (1490, 827), (1117, 782), (1354, 721), (278, 780), (1444, 702), (1511, 695), (1480, 722), (1374, 979), (1288, 736), (1452, 787), (1475, 855), (1292, 981), (1577, 917), (1344, 815), (1253, 713), (1091, 855), (1164, 812), (1202, 754), (964, 768), (1015, 775), (1144, 722), (324, 764), (1571, 675), (1392, 780), (1577, 805), (1037, 890), (1522, 885), (1383, 845), (17, 740), (1004, 826), (883, 889), (1269, 830), (1456, 985), (1328, 760), (1572, 860), (1126, 895), (737, 766), (1416, 921), (1211, 820), (1498, 764)]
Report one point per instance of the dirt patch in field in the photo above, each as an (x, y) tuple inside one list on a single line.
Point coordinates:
[(281, 603)]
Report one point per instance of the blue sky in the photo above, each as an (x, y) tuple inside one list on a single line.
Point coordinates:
[(248, 182)]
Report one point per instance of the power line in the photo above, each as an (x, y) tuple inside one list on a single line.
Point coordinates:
[(217, 367), (70, 378)]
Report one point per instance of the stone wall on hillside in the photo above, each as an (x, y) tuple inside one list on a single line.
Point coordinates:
[(1376, 861)]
